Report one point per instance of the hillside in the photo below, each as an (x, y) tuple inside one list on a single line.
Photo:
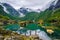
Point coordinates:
[(55, 18), (3, 13)]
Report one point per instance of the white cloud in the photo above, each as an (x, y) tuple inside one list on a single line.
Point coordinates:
[(34, 4)]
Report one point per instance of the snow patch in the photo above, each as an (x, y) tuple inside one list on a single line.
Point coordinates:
[(21, 15), (55, 2), (4, 8)]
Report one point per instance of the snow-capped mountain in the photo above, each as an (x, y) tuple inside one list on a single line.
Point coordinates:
[(55, 4), (20, 12), (26, 10), (4, 8), (23, 11), (9, 9)]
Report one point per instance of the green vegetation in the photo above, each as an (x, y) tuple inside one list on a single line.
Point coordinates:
[(51, 20), (4, 15), (30, 16), (55, 18)]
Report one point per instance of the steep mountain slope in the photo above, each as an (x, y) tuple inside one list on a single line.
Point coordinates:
[(30, 16), (54, 5), (57, 4), (23, 10), (3, 13), (55, 18), (11, 10), (45, 14)]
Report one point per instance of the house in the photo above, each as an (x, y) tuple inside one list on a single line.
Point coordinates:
[(22, 23)]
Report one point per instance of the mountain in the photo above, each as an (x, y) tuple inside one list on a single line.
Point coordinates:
[(31, 14), (5, 15), (54, 5), (11, 10), (52, 10), (24, 10), (57, 4), (44, 15)]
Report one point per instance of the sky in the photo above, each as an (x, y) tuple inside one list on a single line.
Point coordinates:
[(33, 4)]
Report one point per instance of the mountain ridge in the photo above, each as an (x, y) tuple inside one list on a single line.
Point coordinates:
[(11, 10)]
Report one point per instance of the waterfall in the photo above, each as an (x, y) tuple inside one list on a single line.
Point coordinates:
[(41, 34)]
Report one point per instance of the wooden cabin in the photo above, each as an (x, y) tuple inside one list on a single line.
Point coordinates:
[(22, 23)]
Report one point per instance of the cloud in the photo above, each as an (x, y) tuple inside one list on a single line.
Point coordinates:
[(33, 4)]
